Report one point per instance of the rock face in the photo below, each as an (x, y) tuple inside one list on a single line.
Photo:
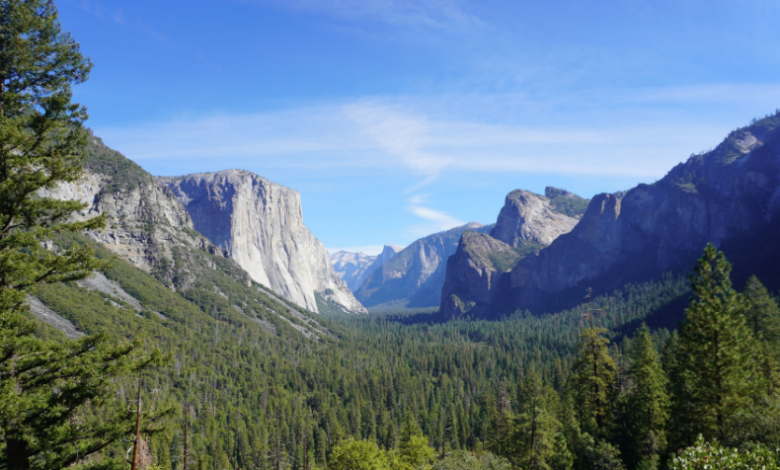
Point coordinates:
[(145, 221), (414, 276), (259, 224), (528, 217), (354, 268), (729, 197), (477, 278)]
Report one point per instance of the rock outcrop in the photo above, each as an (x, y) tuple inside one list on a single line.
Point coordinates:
[(729, 197), (414, 276), (354, 268), (259, 224), (477, 278), (528, 217), (145, 222)]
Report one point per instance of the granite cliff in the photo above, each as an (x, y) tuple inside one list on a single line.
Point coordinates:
[(354, 268), (165, 268), (414, 276), (477, 278), (259, 224)]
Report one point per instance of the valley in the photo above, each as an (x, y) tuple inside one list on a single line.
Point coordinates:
[(194, 321)]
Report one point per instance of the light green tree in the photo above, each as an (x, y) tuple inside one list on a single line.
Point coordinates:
[(358, 455), (414, 451)]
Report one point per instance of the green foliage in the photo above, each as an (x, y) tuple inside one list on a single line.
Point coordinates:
[(358, 455), (506, 260), (718, 374), (762, 314), (561, 458), (536, 426), (704, 455), (573, 207), (465, 460), (598, 455), (123, 173), (413, 449), (594, 381), (56, 399), (648, 403)]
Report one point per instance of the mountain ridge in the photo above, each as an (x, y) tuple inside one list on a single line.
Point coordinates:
[(729, 196)]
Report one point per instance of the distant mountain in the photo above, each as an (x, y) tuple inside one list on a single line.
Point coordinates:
[(477, 274), (414, 277), (354, 268), (260, 225), (729, 196)]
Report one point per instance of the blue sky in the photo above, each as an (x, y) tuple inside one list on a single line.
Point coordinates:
[(399, 118)]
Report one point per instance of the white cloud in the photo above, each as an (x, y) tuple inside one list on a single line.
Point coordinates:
[(429, 136), (435, 221)]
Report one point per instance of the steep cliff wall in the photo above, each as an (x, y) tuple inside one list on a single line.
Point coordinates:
[(728, 197), (259, 224), (478, 274), (477, 277)]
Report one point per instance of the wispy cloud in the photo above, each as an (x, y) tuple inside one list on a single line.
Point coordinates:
[(413, 15), (427, 137), (435, 221), (117, 15)]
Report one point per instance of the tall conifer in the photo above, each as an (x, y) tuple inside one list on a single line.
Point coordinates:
[(45, 388), (718, 374), (648, 403), (536, 425), (594, 380)]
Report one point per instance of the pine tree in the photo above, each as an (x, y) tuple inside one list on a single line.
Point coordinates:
[(46, 388), (762, 314), (648, 404), (536, 425), (718, 374), (414, 452), (594, 381), (763, 317)]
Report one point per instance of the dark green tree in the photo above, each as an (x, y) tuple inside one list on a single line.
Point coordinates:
[(536, 425), (762, 313), (718, 373), (594, 381), (648, 404), (763, 317), (46, 388)]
